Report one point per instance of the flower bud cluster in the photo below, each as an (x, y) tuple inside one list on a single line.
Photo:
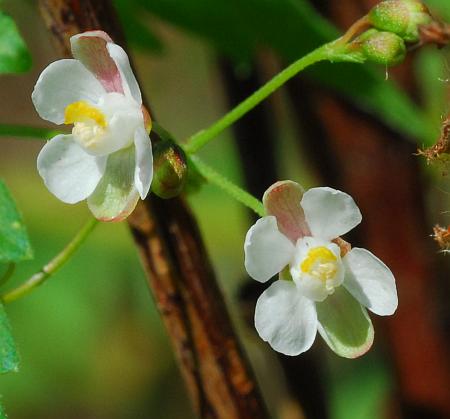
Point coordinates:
[(393, 24)]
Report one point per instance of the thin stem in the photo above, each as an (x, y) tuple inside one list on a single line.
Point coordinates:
[(51, 267), (235, 191), (201, 138), (8, 273), (23, 131), (359, 26)]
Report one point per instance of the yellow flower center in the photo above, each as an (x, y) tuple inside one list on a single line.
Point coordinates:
[(89, 124), (321, 263), (81, 111)]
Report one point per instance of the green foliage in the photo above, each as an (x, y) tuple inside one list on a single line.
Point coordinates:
[(14, 54), (14, 243), (2, 413), (137, 33), (291, 28), (9, 359)]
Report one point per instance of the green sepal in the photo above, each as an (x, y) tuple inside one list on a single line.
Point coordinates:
[(344, 324), (384, 48), (170, 169), (402, 17)]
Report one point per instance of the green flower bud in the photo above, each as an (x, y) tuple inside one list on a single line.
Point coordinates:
[(170, 169), (384, 48), (402, 17)]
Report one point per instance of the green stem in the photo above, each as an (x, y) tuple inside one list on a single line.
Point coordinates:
[(201, 138), (23, 131), (235, 191), (56, 263)]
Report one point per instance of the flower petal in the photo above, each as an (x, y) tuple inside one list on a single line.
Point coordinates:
[(329, 212), (344, 324), (90, 48), (285, 319), (62, 83), (143, 172), (267, 251), (68, 171), (130, 84), (370, 281), (116, 196), (282, 200)]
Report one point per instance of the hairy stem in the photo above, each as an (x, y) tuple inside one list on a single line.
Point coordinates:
[(27, 132), (235, 191), (51, 267), (203, 137)]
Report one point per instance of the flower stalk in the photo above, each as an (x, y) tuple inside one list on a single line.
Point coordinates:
[(51, 267)]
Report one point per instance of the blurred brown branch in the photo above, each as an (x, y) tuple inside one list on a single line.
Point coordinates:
[(356, 152), (179, 273)]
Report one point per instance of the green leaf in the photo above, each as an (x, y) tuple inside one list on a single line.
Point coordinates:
[(14, 54), (14, 243), (344, 324), (9, 359)]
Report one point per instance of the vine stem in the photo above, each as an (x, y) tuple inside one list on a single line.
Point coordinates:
[(201, 138), (51, 267), (23, 131), (222, 182)]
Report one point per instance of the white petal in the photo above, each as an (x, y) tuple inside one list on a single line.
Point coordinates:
[(123, 116), (116, 196), (282, 200), (130, 84), (143, 172), (329, 212), (90, 48), (285, 319), (267, 251), (370, 281), (62, 83), (68, 172)]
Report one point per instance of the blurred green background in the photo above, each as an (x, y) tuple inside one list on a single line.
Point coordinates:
[(91, 342)]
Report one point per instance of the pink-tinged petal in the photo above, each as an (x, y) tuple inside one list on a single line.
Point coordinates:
[(285, 319), (267, 251), (329, 213), (130, 84), (344, 324), (116, 195), (370, 281), (91, 49), (282, 200), (68, 171), (62, 83), (143, 173)]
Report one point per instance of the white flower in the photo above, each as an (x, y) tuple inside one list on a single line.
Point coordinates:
[(107, 159), (322, 286)]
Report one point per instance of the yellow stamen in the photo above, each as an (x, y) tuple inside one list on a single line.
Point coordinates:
[(81, 111), (320, 263)]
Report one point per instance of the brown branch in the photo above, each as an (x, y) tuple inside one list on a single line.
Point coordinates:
[(180, 276)]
